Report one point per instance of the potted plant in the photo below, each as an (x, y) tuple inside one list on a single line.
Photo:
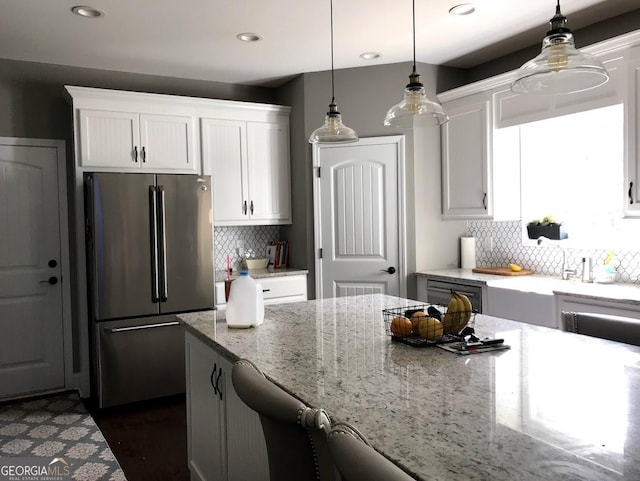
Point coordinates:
[(546, 227)]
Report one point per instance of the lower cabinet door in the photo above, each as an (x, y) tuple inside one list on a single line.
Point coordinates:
[(206, 430), (246, 446)]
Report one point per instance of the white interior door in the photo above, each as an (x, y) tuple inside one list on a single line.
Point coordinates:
[(32, 357), (359, 218)]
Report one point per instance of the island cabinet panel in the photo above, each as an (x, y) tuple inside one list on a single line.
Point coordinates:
[(206, 430), (225, 438)]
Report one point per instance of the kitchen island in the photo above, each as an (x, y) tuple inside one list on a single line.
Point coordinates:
[(555, 406)]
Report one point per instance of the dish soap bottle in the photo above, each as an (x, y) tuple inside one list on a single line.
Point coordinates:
[(246, 303)]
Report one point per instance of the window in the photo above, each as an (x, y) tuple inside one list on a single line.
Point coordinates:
[(572, 169)]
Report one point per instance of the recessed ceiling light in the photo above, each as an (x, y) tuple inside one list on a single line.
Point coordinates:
[(462, 9), (248, 37), (87, 12), (370, 55)]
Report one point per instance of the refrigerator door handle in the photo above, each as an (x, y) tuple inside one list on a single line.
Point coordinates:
[(155, 274), (145, 326), (164, 288)]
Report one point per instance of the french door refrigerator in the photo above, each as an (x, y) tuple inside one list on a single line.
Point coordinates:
[(149, 244)]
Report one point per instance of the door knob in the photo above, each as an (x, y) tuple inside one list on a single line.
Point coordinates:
[(390, 270), (52, 263), (52, 280)]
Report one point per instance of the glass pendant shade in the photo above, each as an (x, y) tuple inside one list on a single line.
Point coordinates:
[(560, 68), (415, 108), (333, 131)]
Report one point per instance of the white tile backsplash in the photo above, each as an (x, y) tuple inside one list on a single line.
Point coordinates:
[(254, 239), (508, 248)]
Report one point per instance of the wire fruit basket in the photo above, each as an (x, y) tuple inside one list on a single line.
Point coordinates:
[(424, 325)]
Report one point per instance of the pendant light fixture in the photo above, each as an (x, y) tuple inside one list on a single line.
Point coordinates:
[(333, 131), (415, 104), (560, 68)]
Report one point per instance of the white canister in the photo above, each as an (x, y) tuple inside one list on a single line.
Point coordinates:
[(246, 303)]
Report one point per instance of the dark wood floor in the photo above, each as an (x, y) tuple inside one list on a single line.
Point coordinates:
[(149, 439)]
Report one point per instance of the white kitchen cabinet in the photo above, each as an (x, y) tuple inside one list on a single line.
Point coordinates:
[(122, 141), (206, 430), (631, 194), (221, 430), (466, 158), (276, 289), (250, 166)]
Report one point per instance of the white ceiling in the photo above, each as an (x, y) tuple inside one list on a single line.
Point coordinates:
[(196, 38)]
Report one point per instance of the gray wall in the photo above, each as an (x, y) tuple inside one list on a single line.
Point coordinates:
[(592, 34), (364, 95), (32, 104)]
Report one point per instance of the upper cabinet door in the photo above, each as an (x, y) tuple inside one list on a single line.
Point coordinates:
[(631, 192), (224, 157), (123, 141), (466, 159), (166, 142), (269, 178), (109, 139)]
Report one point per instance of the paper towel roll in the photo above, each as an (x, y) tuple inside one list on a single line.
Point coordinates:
[(467, 252)]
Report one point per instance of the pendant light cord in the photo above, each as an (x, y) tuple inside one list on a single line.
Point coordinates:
[(414, 36), (333, 98)]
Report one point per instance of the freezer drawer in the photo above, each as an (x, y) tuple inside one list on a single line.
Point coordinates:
[(138, 359)]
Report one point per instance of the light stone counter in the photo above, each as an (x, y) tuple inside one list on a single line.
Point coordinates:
[(616, 292), (262, 273), (556, 406)]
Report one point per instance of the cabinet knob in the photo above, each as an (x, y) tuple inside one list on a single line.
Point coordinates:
[(135, 154)]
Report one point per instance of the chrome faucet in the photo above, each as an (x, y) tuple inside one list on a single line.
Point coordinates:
[(566, 272)]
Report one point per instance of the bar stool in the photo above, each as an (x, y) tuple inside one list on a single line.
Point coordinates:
[(295, 434), (356, 460)]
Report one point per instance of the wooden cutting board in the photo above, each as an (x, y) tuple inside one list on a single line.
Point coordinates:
[(501, 271)]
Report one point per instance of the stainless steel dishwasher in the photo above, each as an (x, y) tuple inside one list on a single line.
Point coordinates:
[(439, 292)]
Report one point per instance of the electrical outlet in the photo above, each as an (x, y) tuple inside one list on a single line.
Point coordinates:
[(488, 244), (240, 247)]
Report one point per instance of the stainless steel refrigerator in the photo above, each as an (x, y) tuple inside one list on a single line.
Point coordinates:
[(149, 256)]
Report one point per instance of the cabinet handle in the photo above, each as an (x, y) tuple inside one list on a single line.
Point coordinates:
[(218, 383), (484, 201), (251, 208), (631, 193), (135, 154), (244, 208), (211, 379), (143, 155)]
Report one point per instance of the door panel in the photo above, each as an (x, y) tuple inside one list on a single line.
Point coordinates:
[(189, 242), (341, 289), (120, 245), (31, 321), (359, 218)]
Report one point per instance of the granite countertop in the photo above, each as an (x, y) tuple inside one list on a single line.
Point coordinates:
[(542, 284), (555, 406), (261, 273)]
